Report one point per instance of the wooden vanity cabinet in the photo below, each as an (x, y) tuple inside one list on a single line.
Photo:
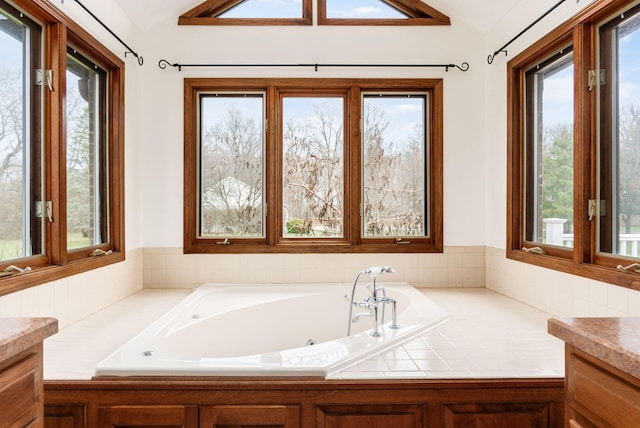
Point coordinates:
[(21, 384), (598, 394), (304, 403), (21, 390)]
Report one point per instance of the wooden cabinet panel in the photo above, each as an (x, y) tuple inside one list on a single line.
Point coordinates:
[(64, 416), (370, 416), (148, 416), (21, 392), (250, 416), (497, 415), (599, 395)]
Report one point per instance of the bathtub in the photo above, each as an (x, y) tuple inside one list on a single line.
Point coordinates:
[(268, 330)]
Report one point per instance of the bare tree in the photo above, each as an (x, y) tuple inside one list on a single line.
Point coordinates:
[(232, 176), (313, 170), (394, 197), (11, 164)]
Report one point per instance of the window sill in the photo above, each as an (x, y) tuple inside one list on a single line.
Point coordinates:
[(297, 247), (38, 276)]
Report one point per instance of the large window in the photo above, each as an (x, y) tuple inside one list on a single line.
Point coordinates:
[(61, 148), (574, 144), (313, 165)]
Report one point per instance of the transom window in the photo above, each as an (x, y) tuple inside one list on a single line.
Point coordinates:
[(313, 165), (574, 141), (299, 12)]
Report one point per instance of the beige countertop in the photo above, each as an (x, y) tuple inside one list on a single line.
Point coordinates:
[(18, 334), (615, 341)]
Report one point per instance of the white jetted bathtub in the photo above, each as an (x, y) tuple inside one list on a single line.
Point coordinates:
[(268, 330)]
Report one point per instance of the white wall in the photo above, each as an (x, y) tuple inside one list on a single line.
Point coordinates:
[(163, 94), (463, 261)]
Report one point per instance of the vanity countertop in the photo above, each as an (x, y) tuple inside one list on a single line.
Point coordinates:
[(19, 334), (615, 341)]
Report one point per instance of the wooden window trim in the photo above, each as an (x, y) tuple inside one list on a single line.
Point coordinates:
[(418, 12), (208, 13), (583, 260), (58, 263), (352, 242)]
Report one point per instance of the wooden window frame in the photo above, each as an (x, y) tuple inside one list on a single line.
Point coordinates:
[(584, 259), (417, 11), (208, 13), (56, 262), (352, 241)]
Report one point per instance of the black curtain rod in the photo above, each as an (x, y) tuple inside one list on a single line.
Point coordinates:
[(131, 51), (503, 49), (163, 63)]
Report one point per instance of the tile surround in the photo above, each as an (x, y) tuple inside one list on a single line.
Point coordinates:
[(457, 267), (73, 298), (555, 292), (488, 336)]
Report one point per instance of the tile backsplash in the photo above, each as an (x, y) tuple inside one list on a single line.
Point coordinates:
[(73, 298), (555, 292), (169, 268)]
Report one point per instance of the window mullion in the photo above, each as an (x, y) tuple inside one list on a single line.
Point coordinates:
[(584, 144), (353, 167), (55, 151), (272, 164)]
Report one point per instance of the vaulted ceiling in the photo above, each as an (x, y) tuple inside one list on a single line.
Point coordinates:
[(480, 14)]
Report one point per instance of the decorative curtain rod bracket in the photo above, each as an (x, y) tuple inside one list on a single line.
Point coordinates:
[(491, 57), (163, 64), (129, 50)]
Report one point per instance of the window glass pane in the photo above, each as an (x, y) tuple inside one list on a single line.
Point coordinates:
[(87, 214), (231, 165), (549, 152), (362, 9), (265, 9), (313, 167), (394, 166), (20, 175), (620, 157)]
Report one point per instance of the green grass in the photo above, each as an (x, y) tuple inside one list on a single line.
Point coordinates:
[(12, 249)]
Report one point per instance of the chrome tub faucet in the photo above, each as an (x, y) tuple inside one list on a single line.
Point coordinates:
[(372, 303)]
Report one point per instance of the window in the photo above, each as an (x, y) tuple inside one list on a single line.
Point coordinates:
[(61, 196), (395, 159), (313, 160), (299, 12), (231, 165), (87, 205), (371, 9), (304, 165), (549, 151), (574, 147), (620, 136), (379, 12), (249, 12)]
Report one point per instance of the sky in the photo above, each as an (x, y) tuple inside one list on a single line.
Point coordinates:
[(402, 112), (293, 9)]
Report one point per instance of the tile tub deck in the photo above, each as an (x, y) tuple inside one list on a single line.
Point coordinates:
[(489, 336)]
